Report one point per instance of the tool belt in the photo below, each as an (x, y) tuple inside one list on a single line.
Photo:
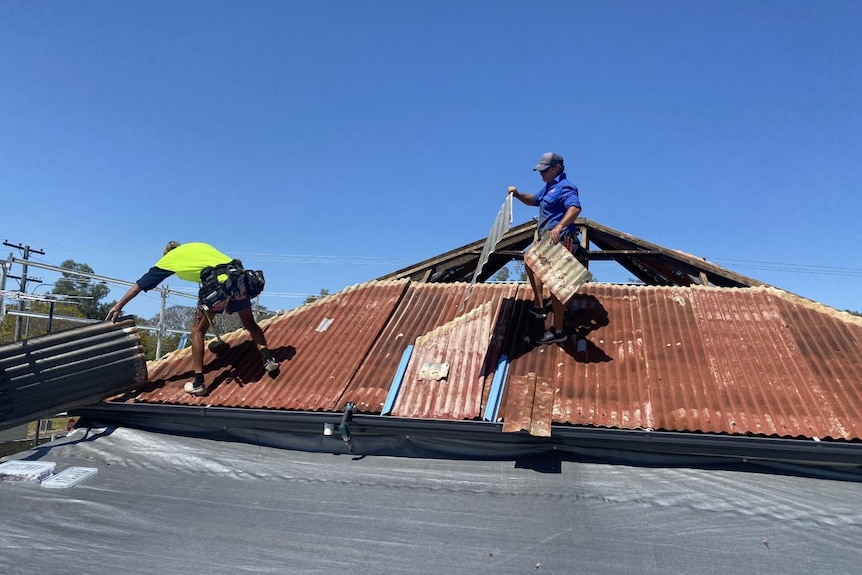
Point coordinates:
[(220, 284), (254, 282), (225, 282)]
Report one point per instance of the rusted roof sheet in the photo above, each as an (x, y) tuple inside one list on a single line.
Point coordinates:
[(558, 269), (753, 361), (716, 360), (461, 346), (320, 346), (424, 309)]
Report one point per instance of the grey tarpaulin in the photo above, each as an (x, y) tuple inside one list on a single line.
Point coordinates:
[(165, 504)]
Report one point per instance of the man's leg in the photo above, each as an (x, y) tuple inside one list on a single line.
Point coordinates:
[(557, 333), (536, 284), (538, 307), (248, 322), (199, 330), (559, 314)]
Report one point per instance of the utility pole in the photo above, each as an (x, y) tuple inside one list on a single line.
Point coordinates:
[(4, 269), (26, 250), (161, 333)]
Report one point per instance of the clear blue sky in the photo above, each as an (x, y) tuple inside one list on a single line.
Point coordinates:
[(331, 142)]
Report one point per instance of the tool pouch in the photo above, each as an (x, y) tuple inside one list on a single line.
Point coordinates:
[(220, 284), (254, 282)]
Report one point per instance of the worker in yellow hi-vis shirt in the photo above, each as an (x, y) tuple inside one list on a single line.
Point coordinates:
[(225, 287)]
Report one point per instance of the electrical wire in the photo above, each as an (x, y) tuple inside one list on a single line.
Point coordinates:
[(786, 267)]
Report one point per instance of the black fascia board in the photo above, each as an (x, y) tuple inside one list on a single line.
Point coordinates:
[(721, 447)]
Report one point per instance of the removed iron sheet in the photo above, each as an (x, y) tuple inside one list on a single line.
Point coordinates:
[(558, 269)]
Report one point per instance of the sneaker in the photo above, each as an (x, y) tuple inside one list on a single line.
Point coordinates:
[(552, 336), (270, 365), (540, 312), (195, 388)]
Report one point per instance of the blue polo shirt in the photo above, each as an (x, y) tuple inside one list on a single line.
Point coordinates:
[(553, 201)]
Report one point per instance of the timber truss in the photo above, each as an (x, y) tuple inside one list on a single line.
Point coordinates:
[(650, 263)]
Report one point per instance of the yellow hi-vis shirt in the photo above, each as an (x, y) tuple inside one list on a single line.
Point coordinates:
[(185, 260)]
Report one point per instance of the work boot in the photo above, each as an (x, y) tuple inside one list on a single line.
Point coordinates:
[(551, 336), (195, 388), (269, 363)]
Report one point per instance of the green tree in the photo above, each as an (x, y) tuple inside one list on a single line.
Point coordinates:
[(502, 274), (88, 292), (148, 344), (323, 293), (178, 317), (36, 326), (7, 329), (227, 323)]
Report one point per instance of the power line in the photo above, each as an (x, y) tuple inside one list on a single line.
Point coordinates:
[(788, 267), (256, 256), (730, 263)]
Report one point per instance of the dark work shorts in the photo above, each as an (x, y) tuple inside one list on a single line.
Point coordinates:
[(235, 305)]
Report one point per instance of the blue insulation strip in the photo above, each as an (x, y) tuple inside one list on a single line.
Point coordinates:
[(496, 394), (396, 381)]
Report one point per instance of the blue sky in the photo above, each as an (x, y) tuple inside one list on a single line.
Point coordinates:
[(331, 142)]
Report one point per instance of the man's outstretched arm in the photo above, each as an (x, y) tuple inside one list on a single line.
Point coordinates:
[(117, 310)]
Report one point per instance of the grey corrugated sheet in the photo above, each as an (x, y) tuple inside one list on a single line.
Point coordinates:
[(67, 369), (742, 361), (501, 225)]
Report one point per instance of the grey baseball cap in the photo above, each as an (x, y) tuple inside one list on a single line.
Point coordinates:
[(547, 160)]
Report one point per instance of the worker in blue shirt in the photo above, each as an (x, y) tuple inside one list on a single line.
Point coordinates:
[(559, 206)]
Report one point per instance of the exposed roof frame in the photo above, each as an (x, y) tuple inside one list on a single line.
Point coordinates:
[(650, 263)]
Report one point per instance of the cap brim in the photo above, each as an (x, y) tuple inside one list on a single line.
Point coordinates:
[(540, 167)]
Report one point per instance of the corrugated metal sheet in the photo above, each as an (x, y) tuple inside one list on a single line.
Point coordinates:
[(320, 346), (501, 225), (71, 368), (558, 269), (462, 345), (424, 308), (754, 361), (741, 361)]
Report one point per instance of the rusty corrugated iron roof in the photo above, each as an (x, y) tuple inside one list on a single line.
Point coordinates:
[(741, 361)]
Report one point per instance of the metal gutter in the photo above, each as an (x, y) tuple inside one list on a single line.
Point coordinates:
[(482, 434)]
